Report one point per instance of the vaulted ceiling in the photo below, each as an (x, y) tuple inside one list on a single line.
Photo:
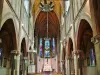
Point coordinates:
[(58, 7), (41, 25), (85, 34), (40, 19)]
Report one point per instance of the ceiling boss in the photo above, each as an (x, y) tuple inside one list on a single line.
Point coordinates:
[(47, 6)]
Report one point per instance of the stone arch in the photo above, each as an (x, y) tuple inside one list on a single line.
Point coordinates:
[(14, 19), (8, 43), (85, 16), (23, 47), (9, 29), (69, 56), (81, 28), (23, 56), (70, 47), (84, 44)]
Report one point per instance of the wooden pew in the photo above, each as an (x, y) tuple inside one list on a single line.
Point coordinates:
[(35, 74), (57, 74)]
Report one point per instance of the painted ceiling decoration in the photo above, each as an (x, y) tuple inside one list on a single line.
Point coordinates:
[(46, 7), (58, 7), (47, 14)]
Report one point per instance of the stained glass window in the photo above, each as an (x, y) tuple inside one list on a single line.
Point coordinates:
[(47, 48), (53, 46), (41, 48), (26, 4), (92, 57), (1, 56)]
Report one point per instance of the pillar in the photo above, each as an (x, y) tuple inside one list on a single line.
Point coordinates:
[(64, 43), (68, 65), (32, 60), (61, 48), (58, 56), (25, 65), (96, 41), (76, 56), (13, 58), (16, 64)]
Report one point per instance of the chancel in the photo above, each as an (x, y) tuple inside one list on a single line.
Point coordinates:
[(49, 37)]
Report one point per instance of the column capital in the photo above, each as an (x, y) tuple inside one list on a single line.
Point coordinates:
[(16, 52), (77, 52), (95, 39), (32, 51), (62, 61), (69, 57), (64, 42)]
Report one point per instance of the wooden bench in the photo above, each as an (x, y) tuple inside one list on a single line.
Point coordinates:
[(42, 74), (57, 74), (35, 74)]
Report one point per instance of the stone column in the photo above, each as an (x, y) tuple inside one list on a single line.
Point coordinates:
[(17, 65), (96, 41), (61, 66), (76, 55), (32, 59), (58, 56), (64, 43), (63, 70), (61, 46), (13, 58), (25, 65), (68, 65), (16, 62)]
